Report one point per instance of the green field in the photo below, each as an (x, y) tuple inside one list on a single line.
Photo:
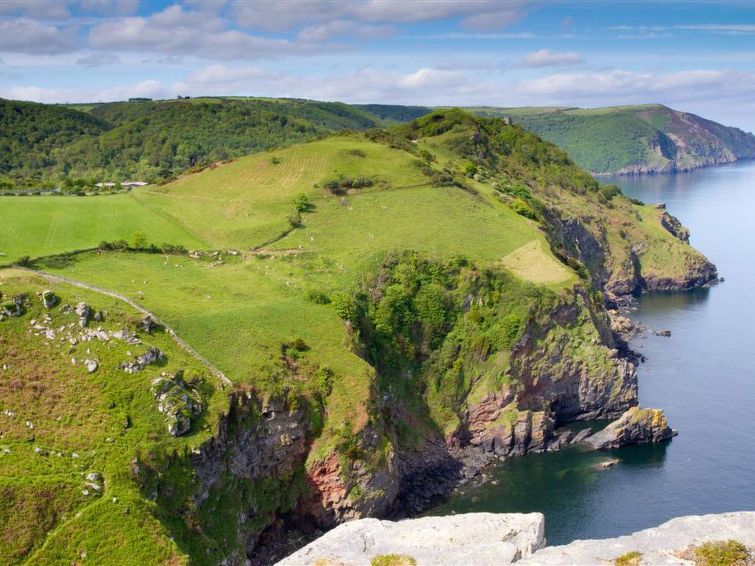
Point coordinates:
[(44, 225)]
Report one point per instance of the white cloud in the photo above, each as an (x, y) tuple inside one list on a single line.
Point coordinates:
[(24, 35), (285, 16), (547, 58), (493, 20), (431, 78), (148, 89), (175, 31), (724, 29), (620, 86), (364, 85), (42, 9), (343, 28), (98, 59), (727, 29)]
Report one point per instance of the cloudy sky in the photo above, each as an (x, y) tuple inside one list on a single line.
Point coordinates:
[(693, 56)]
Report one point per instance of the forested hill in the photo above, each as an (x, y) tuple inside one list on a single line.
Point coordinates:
[(30, 133), (633, 139), (154, 141)]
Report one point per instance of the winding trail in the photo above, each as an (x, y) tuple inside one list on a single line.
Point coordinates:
[(60, 279)]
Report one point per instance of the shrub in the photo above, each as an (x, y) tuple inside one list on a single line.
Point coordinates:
[(317, 297), (721, 553), (426, 156), (138, 240), (609, 191), (302, 203), (441, 179), (173, 249), (342, 184), (470, 169), (521, 207), (393, 560), (628, 559), (344, 306)]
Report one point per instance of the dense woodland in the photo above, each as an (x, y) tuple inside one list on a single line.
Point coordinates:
[(46, 146)]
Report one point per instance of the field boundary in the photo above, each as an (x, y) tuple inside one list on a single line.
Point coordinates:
[(177, 339)]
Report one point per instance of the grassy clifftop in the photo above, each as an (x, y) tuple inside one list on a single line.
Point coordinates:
[(377, 299), (633, 139)]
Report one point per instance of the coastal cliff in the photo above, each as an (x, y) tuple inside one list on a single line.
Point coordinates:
[(634, 140)]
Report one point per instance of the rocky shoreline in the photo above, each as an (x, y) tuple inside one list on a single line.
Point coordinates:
[(670, 168)]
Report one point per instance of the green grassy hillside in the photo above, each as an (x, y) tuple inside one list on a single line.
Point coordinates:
[(633, 139), (69, 437), (363, 293)]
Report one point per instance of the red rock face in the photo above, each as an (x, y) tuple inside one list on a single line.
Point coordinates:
[(329, 492)]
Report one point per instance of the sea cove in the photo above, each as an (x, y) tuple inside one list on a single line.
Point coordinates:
[(701, 376)]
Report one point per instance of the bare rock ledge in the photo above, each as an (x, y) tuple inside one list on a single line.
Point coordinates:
[(489, 538), (483, 539)]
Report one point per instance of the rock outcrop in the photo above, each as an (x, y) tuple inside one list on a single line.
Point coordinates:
[(487, 538), (151, 356), (83, 311), (49, 299), (634, 426), (672, 224), (178, 401), (476, 538), (668, 543)]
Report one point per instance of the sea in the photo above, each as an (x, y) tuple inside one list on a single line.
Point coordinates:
[(703, 376)]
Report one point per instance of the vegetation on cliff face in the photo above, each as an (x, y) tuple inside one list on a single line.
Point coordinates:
[(457, 298), (633, 139)]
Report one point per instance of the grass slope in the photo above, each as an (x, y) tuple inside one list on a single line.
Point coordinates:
[(37, 226), (60, 423)]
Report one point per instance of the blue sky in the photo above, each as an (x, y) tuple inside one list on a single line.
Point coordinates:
[(693, 56)]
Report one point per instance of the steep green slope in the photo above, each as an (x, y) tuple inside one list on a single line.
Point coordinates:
[(71, 433), (378, 301), (633, 139)]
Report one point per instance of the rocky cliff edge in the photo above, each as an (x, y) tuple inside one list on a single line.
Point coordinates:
[(488, 538)]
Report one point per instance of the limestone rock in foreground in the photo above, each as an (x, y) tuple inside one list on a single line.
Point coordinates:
[(659, 545), (634, 426), (473, 538)]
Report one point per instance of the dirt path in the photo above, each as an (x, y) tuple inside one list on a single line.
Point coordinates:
[(141, 309)]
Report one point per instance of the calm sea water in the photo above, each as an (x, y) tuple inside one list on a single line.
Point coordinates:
[(703, 377)]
